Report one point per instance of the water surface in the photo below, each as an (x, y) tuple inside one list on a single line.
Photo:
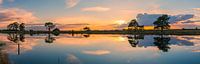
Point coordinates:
[(99, 49)]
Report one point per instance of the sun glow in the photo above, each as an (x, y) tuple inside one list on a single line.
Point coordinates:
[(120, 22)]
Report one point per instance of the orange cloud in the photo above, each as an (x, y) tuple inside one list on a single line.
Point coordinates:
[(198, 9)]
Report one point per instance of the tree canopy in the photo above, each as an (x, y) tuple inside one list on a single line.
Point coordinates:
[(162, 22)]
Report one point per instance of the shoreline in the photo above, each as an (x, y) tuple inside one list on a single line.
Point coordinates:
[(143, 32)]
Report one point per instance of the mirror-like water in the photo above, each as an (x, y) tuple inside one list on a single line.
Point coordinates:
[(99, 49)]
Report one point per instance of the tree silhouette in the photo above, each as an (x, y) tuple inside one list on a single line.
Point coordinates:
[(133, 24), (86, 29), (49, 26), (162, 22), (13, 26), (22, 27), (16, 26)]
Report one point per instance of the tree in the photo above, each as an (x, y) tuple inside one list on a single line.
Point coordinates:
[(162, 22), (16, 26), (9, 27), (49, 26), (22, 27), (13, 26), (133, 24), (56, 32), (86, 28)]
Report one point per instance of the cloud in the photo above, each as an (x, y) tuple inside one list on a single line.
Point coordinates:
[(148, 19), (1, 1), (195, 50), (71, 3), (96, 9), (97, 52), (80, 19), (197, 9), (16, 14)]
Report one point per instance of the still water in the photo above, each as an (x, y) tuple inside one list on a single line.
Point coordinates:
[(99, 49)]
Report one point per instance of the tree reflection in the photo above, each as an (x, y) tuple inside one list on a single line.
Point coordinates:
[(16, 38), (86, 35), (134, 40), (49, 38), (162, 43)]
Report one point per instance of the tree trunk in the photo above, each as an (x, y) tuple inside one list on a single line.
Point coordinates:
[(49, 30), (162, 28)]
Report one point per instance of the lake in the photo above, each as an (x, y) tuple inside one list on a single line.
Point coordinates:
[(99, 49)]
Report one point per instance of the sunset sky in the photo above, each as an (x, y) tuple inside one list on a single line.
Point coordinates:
[(99, 14)]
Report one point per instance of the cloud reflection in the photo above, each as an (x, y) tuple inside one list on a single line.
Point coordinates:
[(97, 52)]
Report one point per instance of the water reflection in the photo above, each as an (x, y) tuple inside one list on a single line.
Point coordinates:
[(16, 38), (90, 49), (162, 43), (49, 39), (134, 40)]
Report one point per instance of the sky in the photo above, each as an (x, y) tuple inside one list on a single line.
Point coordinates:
[(99, 13)]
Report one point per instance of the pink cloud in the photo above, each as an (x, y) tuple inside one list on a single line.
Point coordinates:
[(71, 3), (16, 14), (10, 15), (96, 9), (1, 1), (97, 52), (72, 59)]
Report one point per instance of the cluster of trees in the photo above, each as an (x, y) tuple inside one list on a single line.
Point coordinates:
[(16, 26), (160, 24), (21, 27)]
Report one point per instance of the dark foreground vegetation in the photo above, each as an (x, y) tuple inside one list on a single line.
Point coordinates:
[(144, 32)]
